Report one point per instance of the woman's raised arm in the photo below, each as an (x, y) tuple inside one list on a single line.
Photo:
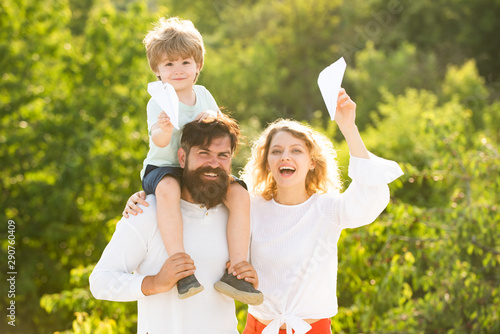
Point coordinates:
[(345, 117)]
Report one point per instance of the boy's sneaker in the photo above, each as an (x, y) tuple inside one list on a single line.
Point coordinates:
[(188, 286), (239, 289)]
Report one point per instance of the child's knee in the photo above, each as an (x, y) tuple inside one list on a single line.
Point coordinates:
[(238, 192), (238, 199), (168, 186), (235, 187)]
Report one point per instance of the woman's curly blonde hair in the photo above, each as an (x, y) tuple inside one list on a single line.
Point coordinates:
[(324, 178)]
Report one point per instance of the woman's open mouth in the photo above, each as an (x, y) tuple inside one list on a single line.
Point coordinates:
[(287, 170)]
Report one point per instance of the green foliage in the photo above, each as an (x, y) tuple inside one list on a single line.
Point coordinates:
[(274, 57), (73, 138), (92, 316), (449, 29), (465, 84), (394, 71), (72, 126)]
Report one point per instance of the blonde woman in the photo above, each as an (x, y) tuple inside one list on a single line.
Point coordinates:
[(298, 213)]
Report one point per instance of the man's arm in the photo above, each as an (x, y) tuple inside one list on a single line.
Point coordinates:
[(112, 277)]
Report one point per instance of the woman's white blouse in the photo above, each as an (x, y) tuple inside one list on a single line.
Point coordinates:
[(294, 247)]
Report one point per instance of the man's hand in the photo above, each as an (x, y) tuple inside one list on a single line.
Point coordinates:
[(131, 206), (177, 266), (246, 271)]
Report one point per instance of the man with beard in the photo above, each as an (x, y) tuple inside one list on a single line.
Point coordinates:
[(135, 265)]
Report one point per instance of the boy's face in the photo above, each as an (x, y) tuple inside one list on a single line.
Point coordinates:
[(180, 73)]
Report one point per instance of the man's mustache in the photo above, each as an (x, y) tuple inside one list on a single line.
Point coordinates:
[(207, 169)]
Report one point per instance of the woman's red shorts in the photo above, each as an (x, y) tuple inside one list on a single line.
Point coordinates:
[(253, 326)]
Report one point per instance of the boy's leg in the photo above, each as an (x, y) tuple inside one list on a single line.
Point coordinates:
[(238, 224), (238, 239), (168, 198)]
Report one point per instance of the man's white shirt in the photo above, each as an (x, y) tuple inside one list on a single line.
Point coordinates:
[(136, 250)]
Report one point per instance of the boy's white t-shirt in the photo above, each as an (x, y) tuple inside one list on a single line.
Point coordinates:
[(167, 156)]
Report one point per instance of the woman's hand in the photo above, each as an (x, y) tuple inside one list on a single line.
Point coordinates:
[(246, 271), (345, 115), (131, 206)]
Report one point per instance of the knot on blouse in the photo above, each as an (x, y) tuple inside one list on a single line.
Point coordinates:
[(291, 321)]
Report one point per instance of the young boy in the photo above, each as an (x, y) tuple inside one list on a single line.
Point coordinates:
[(175, 54)]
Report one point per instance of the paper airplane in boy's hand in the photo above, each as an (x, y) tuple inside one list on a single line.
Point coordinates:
[(329, 82), (164, 94)]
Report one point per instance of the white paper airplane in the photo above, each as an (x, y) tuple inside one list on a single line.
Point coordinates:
[(329, 82), (164, 94)]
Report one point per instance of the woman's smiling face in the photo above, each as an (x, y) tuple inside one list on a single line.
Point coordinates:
[(289, 160)]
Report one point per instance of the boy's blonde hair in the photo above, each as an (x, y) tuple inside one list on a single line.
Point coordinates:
[(324, 178), (173, 38)]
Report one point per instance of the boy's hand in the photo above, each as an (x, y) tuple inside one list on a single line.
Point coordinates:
[(161, 131), (205, 114), (164, 122), (131, 206)]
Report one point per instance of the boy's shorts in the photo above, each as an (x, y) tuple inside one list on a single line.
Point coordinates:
[(154, 174)]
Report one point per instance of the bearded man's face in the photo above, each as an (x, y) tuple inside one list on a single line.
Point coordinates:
[(209, 192), (206, 172)]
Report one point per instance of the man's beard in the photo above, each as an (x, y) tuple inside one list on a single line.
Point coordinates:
[(210, 193)]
